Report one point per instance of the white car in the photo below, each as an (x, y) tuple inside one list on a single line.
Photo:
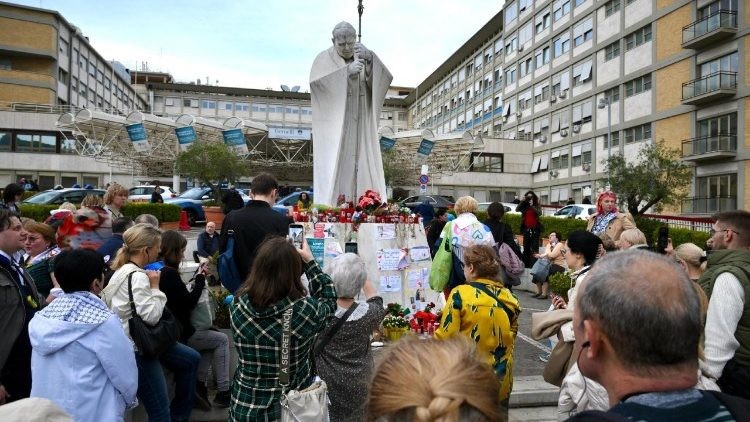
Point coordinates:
[(143, 193), (510, 208), (579, 211)]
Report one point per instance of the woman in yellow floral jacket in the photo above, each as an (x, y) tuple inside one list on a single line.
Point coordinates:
[(485, 312)]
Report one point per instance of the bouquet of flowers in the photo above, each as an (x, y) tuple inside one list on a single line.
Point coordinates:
[(370, 200), (396, 310), (405, 211), (424, 319), (395, 321)]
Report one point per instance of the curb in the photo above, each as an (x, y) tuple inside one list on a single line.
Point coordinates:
[(533, 391)]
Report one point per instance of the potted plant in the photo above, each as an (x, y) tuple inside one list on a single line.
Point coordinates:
[(396, 326), (211, 163), (560, 283)]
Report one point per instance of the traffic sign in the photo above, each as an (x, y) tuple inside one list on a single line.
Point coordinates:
[(423, 188), (423, 179)]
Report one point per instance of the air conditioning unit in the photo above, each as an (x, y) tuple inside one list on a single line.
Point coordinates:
[(553, 99), (554, 173), (519, 114), (520, 48), (543, 139), (505, 119), (586, 167), (576, 128), (563, 95), (563, 132)]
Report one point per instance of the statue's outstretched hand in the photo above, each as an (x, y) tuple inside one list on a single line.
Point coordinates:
[(355, 67), (362, 52)]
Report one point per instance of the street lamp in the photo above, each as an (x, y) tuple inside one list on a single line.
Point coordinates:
[(604, 103)]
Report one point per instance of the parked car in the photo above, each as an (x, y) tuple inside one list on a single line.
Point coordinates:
[(579, 211), (192, 202), (58, 196), (143, 193), (436, 201), (510, 208), (291, 199)]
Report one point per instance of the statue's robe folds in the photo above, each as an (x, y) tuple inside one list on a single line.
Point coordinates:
[(346, 113)]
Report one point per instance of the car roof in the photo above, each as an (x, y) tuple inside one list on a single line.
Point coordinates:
[(72, 189)]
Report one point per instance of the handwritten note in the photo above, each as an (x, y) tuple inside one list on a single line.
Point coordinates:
[(385, 231), (419, 253), (390, 283), (389, 259)]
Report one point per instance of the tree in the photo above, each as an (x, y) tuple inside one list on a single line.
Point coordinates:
[(396, 170), (211, 163), (657, 177)]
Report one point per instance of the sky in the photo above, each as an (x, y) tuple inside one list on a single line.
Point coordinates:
[(263, 44)]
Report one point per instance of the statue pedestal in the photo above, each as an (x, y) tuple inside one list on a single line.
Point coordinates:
[(396, 255)]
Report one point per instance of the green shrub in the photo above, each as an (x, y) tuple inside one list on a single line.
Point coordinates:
[(560, 283), (164, 212), (37, 212)]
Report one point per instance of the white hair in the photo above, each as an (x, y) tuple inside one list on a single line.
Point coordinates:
[(348, 273)]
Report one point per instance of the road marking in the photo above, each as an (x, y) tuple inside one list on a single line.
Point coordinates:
[(535, 310), (534, 343)]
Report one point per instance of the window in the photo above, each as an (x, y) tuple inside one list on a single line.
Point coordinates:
[(82, 90), (638, 85), (526, 66), (715, 7), (561, 8), (560, 82), (637, 134), (615, 140), (486, 163), (75, 55), (542, 57), (511, 13), (726, 63), (83, 63), (307, 111), (228, 106), (169, 101), (259, 108), (276, 108), (638, 37), (612, 95), (561, 44), (627, 2), (92, 69), (584, 31), (559, 160), (582, 73), (241, 107), (524, 4), (107, 82), (719, 188), (402, 116), (525, 33), (581, 154), (186, 102), (510, 76), (100, 76), (725, 125), (582, 112), (542, 21), (34, 142), (541, 93), (64, 46), (611, 7), (611, 51), (208, 104), (524, 100), (293, 110), (74, 84), (62, 76), (5, 142), (577, 3)]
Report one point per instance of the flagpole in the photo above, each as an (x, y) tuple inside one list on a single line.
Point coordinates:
[(360, 10)]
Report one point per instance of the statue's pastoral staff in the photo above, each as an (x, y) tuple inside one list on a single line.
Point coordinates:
[(348, 84)]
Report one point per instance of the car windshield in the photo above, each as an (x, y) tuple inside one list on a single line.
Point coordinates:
[(564, 211), (193, 193), (42, 198)]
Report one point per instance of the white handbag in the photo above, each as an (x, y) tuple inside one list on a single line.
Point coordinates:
[(308, 405)]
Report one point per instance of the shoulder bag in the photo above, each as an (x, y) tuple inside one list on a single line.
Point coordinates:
[(308, 405), (152, 340), (442, 264)]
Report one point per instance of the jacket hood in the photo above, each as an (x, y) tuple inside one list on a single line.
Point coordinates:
[(729, 256), (65, 320)]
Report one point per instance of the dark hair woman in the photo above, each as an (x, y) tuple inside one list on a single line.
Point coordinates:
[(12, 195), (212, 345), (531, 227), (304, 203), (501, 231), (273, 288)]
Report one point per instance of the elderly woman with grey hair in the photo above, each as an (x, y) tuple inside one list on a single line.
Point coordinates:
[(342, 354)]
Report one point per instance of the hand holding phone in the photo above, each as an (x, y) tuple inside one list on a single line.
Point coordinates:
[(296, 234)]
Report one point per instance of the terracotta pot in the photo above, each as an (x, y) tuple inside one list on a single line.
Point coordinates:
[(170, 225), (215, 215)]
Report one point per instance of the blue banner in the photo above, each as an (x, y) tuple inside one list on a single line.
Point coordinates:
[(425, 147), (185, 136), (233, 137), (136, 132), (386, 143)]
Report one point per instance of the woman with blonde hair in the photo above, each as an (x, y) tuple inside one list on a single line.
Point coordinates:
[(90, 201), (485, 312), (632, 238), (141, 244), (692, 258), (409, 386), (114, 199)]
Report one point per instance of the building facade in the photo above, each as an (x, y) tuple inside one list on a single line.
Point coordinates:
[(571, 75)]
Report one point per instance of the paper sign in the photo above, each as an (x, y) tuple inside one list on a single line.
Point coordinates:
[(319, 230), (389, 259), (425, 274), (333, 249), (403, 261), (317, 247), (385, 231), (415, 279), (329, 230), (390, 283), (420, 253)]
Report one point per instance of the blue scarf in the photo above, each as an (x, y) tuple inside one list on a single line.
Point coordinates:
[(601, 222)]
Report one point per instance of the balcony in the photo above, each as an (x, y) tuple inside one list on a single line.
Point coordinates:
[(709, 88), (722, 24), (709, 148), (708, 205)]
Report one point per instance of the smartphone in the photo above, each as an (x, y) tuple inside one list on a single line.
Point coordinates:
[(663, 241), (351, 247), (296, 234)]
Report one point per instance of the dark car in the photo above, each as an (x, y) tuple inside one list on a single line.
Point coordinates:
[(192, 202), (436, 201), (58, 196)]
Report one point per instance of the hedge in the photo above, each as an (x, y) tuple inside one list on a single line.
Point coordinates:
[(164, 212)]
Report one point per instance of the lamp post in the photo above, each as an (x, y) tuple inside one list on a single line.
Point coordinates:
[(604, 103)]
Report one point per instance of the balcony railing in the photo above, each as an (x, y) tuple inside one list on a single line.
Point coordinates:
[(703, 205), (709, 29), (709, 87), (708, 147)]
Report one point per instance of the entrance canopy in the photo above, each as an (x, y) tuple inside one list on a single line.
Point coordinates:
[(444, 153)]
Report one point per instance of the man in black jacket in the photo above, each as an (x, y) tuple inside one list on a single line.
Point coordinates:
[(254, 223), (232, 200)]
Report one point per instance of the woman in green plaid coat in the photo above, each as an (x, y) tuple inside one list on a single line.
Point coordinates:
[(256, 315)]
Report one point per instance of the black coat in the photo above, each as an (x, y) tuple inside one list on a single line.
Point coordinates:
[(180, 301), (251, 226)]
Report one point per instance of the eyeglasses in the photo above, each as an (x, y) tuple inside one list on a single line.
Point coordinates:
[(712, 232)]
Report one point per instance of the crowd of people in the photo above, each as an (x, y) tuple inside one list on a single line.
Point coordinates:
[(72, 296)]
